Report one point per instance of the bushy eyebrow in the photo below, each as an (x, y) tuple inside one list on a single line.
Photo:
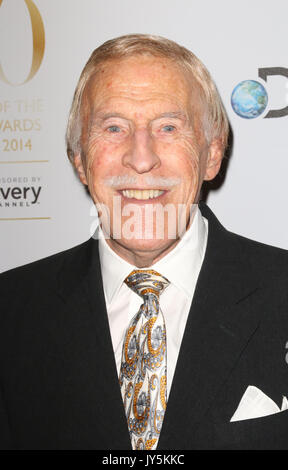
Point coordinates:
[(173, 114), (104, 116)]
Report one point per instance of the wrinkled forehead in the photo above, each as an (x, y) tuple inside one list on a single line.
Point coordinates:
[(141, 79)]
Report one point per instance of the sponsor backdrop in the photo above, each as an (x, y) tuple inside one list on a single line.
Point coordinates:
[(43, 47)]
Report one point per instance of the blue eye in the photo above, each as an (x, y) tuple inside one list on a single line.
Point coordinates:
[(169, 128), (114, 129)]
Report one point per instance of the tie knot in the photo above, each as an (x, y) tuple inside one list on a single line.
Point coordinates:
[(146, 281)]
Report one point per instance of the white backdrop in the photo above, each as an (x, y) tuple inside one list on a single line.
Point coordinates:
[(43, 207)]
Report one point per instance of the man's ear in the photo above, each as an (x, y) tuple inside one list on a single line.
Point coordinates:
[(214, 159), (80, 168)]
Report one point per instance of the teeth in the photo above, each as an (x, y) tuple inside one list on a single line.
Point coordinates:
[(142, 193)]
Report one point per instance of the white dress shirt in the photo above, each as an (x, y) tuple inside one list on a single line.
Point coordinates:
[(181, 266)]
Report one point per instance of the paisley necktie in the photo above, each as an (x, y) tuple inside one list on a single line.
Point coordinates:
[(143, 365)]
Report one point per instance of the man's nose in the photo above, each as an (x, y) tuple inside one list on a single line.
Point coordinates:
[(141, 155)]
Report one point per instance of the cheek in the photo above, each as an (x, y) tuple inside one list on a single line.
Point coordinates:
[(196, 151), (102, 158), (185, 159)]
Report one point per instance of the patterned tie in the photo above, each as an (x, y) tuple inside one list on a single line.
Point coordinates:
[(143, 366)]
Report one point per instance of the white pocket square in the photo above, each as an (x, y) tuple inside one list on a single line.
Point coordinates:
[(255, 404)]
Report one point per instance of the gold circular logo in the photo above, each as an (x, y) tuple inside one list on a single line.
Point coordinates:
[(38, 34)]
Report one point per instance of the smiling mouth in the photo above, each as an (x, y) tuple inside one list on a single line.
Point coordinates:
[(141, 194)]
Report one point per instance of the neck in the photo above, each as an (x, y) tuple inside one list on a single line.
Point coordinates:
[(141, 258)]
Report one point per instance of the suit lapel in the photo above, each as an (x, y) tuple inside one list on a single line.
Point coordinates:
[(223, 316), (92, 412)]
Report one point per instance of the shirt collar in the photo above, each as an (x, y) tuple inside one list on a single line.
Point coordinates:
[(114, 269), (173, 266)]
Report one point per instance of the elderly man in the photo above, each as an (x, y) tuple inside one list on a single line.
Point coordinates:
[(163, 330)]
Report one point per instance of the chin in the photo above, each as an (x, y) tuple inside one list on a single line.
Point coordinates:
[(154, 246)]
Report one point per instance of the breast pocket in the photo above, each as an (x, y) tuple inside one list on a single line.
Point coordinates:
[(268, 432)]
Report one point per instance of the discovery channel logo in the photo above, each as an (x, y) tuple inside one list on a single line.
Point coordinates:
[(249, 98)]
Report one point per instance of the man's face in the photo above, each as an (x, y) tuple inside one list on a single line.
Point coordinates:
[(143, 144)]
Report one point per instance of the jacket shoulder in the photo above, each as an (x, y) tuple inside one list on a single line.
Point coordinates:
[(269, 261), (45, 268), (247, 255)]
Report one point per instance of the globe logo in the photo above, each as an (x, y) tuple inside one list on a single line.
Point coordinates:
[(249, 99)]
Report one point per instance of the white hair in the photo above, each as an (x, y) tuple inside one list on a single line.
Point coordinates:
[(216, 121)]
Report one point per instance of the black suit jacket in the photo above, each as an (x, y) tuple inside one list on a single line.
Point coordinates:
[(59, 385)]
